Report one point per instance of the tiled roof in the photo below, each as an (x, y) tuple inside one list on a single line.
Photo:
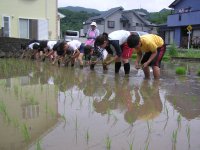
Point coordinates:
[(105, 14)]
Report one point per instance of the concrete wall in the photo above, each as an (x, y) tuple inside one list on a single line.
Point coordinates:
[(11, 47)]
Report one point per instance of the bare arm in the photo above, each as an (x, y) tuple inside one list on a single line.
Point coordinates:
[(76, 54), (138, 58)]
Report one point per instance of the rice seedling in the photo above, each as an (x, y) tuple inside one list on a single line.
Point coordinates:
[(167, 112), (179, 120), (108, 143), (3, 110), (115, 119), (131, 144), (174, 139), (76, 128), (31, 100), (76, 123), (25, 132), (166, 124), (174, 103), (108, 111), (147, 145), (149, 127), (188, 134), (64, 119), (38, 145), (148, 136), (87, 136), (70, 93), (180, 71)]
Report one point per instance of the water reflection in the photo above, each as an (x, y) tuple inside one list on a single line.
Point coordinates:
[(147, 104), (183, 94), (27, 108), (138, 101), (63, 105)]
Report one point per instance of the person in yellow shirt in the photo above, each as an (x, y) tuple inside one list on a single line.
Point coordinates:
[(150, 50)]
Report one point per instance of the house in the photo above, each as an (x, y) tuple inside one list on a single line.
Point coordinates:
[(118, 19), (185, 18), (30, 19)]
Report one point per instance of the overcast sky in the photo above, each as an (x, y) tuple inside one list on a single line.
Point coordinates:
[(102, 5)]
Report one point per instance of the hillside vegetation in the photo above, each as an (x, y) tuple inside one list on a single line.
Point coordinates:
[(75, 16)]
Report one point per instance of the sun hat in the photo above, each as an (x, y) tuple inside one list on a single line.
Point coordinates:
[(93, 24)]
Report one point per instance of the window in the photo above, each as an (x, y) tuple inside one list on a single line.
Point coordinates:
[(111, 24), (24, 28), (6, 26)]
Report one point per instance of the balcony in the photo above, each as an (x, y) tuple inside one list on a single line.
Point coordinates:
[(184, 19)]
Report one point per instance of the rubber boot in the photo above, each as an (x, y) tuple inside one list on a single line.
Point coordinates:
[(117, 67), (127, 68), (92, 67)]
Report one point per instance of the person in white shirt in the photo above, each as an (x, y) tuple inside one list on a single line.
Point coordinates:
[(50, 52), (76, 47), (31, 51), (117, 40), (66, 52)]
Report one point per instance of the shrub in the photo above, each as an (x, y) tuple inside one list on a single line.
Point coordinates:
[(173, 50), (180, 70), (166, 57)]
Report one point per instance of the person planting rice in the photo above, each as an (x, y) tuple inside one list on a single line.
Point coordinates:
[(118, 41), (95, 55), (154, 49)]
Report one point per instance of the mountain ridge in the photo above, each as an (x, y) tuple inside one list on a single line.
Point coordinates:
[(75, 16), (91, 10)]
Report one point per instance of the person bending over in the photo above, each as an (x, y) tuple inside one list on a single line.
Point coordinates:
[(153, 48), (117, 40)]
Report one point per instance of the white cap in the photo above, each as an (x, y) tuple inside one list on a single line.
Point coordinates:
[(93, 24)]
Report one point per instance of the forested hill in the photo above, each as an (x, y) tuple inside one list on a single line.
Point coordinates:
[(78, 9), (75, 16)]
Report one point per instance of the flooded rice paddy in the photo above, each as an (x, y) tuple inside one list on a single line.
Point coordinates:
[(51, 108)]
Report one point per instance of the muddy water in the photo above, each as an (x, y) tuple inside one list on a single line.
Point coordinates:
[(53, 108)]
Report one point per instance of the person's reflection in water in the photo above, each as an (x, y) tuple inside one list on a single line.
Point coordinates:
[(116, 97), (104, 104), (90, 84), (64, 79), (147, 104), (94, 85)]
